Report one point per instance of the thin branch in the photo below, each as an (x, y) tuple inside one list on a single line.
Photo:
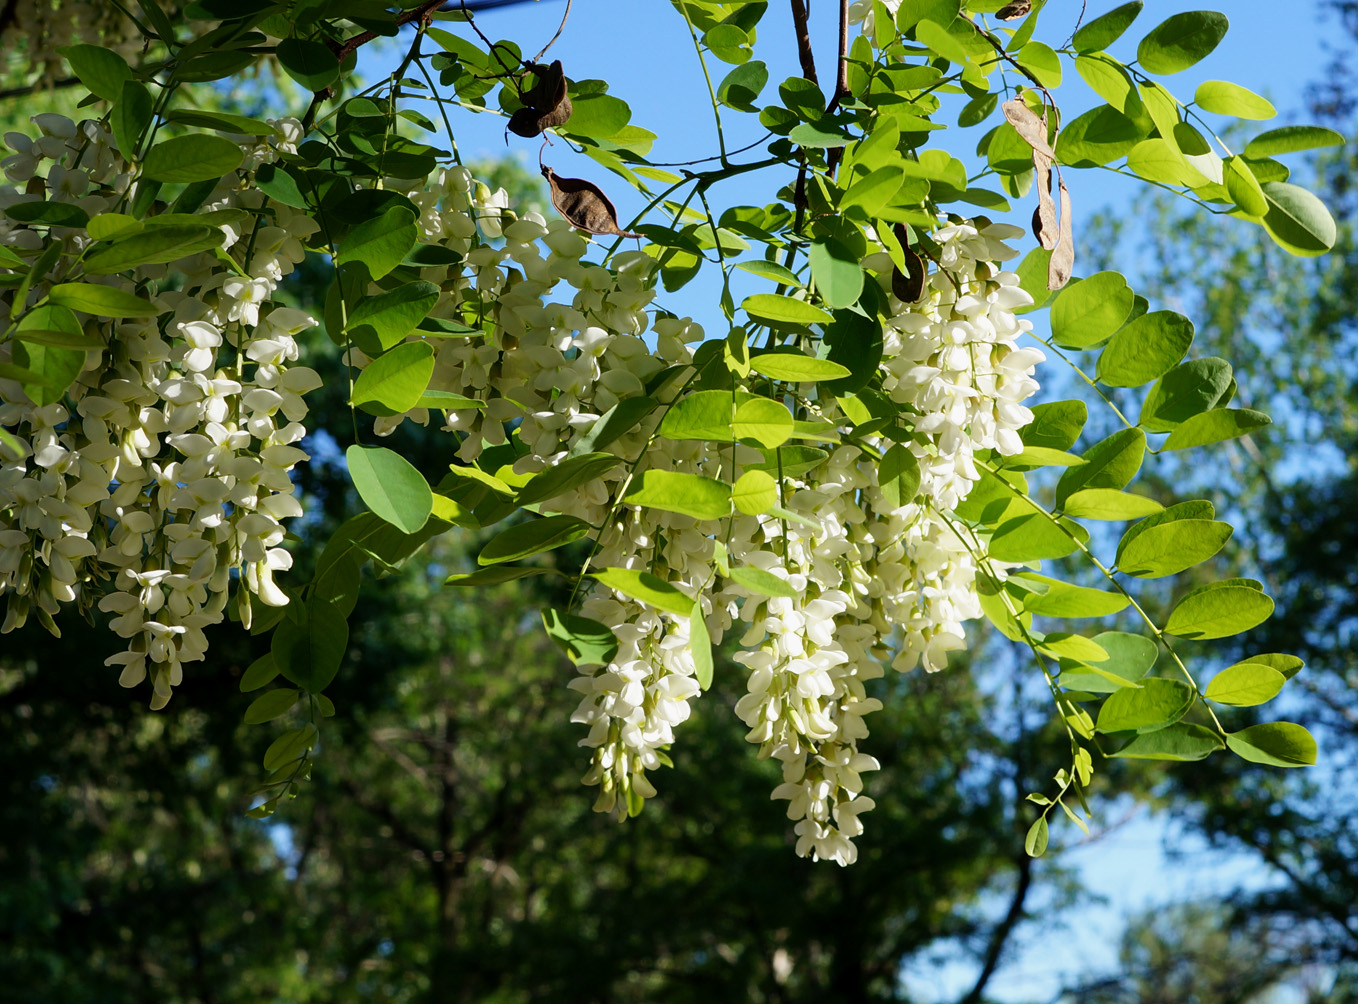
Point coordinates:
[(799, 18), (560, 28), (422, 13), (842, 75), (1002, 931), (27, 89)]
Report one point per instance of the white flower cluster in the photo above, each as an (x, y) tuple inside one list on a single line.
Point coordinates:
[(866, 575), (162, 472), (39, 28)]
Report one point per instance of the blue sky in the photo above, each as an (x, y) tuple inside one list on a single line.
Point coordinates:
[(1134, 861)]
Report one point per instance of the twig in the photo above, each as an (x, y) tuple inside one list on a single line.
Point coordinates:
[(1002, 931), (421, 13), (27, 89), (560, 28), (842, 75), (808, 60)]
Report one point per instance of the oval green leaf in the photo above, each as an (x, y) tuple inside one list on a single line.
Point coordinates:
[(390, 486), (1219, 610)]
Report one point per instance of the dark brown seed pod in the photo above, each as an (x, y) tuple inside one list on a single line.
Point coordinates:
[(1012, 11), (546, 103), (584, 205), (908, 285)]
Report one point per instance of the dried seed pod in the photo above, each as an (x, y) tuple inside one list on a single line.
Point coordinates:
[(1063, 255), (584, 205), (546, 104), (1015, 10), (1044, 216), (1028, 125)]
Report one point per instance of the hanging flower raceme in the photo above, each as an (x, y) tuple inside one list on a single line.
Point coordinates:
[(147, 456), (849, 572)]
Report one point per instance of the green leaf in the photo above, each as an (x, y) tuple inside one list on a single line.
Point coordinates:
[(1159, 161), (1219, 609), (837, 274), (1288, 665), (1042, 62), (308, 62), (54, 368), (197, 157), (153, 246), (1055, 425), (764, 422), (646, 588), (700, 645), (1297, 220), (494, 575), (761, 582), (706, 414), (1146, 348), (770, 270), (380, 243), (1244, 187), (390, 486), (615, 423), (1109, 463), (395, 381), (532, 537), (1035, 843), (1097, 137), (597, 115), (1226, 98), (309, 653), (1291, 139), (55, 324), (1032, 273), (566, 475), (1106, 29), (1180, 41), (390, 316), (102, 71), (1182, 742), (1170, 547), (783, 312), (1088, 311), (290, 746), (1064, 599), (741, 87), (241, 125), (898, 476), (1110, 80), (274, 704), (52, 214), (1030, 537), (1189, 389), (1245, 685), (688, 494), (795, 367), (259, 673), (1278, 744), (1110, 504), (754, 492), (102, 301), (1154, 705), (586, 642), (872, 192), (819, 135), (1129, 658), (1215, 426)]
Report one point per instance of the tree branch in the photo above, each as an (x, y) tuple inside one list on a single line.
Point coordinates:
[(808, 60), (1002, 931)]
